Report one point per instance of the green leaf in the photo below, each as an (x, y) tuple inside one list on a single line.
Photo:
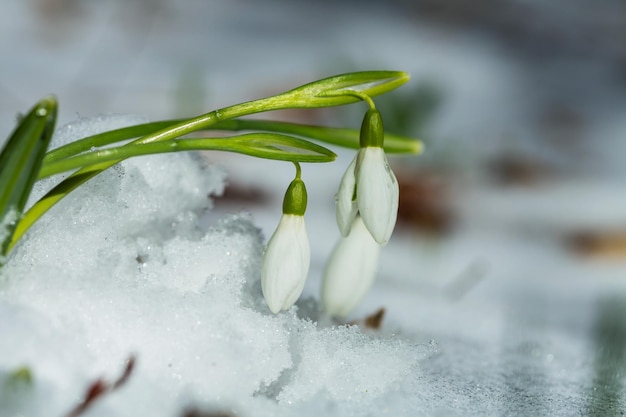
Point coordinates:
[(260, 145), (348, 138), (277, 146), (107, 138), (20, 162)]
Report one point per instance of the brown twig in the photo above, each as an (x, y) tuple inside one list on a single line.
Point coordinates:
[(100, 387)]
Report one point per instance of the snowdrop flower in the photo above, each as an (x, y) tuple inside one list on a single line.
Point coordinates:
[(368, 186), (288, 255), (350, 270)]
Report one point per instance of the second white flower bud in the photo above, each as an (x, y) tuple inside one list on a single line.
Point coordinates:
[(350, 271), (288, 255)]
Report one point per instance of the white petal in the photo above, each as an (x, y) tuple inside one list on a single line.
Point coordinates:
[(377, 193), (350, 271), (346, 207), (286, 263)]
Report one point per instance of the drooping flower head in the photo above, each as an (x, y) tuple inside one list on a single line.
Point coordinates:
[(369, 186), (288, 255)]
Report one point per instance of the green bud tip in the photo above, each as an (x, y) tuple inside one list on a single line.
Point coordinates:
[(295, 198), (372, 132)]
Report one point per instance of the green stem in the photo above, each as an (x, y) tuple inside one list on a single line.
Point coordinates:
[(298, 170), (361, 96)]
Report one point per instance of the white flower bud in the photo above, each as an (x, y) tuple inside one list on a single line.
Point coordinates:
[(350, 271), (368, 186), (377, 193), (286, 263)]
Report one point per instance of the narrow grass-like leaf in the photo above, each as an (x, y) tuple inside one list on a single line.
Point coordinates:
[(344, 137), (107, 138), (20, 161), (348, 138), (277, 146), (260, 145)]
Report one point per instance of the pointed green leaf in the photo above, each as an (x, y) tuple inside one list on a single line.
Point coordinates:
[(20, 162), (260, 145), (277, 146), (337, 136), (348, 138)]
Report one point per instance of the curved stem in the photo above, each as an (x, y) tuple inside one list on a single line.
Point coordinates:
[(298, 169), (362, 96)]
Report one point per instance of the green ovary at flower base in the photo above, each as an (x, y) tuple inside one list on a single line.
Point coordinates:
[(288, 254)]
